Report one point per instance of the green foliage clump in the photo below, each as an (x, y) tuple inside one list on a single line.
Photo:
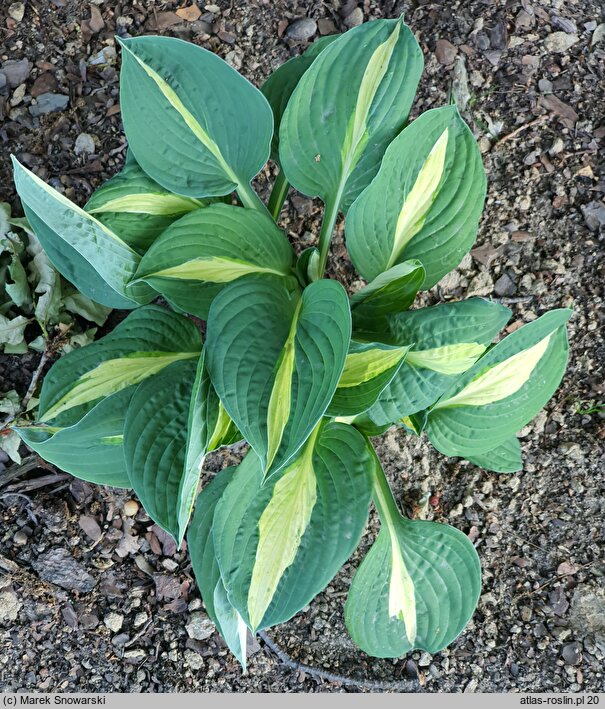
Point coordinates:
[(291, 364)]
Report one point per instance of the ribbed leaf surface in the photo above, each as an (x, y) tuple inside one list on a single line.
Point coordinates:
[(461, 429), (275, 358), (195, 257), (97, 261), (339, 470), (419, 206), (346, 109), (194, 124)]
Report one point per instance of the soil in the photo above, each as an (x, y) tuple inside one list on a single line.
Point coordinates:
[(531, 74)]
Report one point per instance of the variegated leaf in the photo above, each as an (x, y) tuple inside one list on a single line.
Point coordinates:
[(295, 530)]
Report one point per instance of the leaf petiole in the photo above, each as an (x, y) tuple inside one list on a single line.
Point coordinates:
[(382, 493), (249, 198), (278, 195), (327, 229)]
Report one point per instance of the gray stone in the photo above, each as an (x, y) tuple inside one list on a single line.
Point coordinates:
[(594, 215), (572, 653), (114, 621), (16, 71), (498, 35), (326, 26), (587, 614), (545, 86), (49, 103), (16, 11), (85, 144), (482, 284), (199, 627), (425, 659), (9, 606), (564, 23), (354, 18), (89, 621), (450, 281), (505, 285), (139, 619), (59, 567), (560, 42), (302, 29), (194, 660)]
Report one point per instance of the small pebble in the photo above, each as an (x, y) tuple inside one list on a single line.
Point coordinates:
[(49, 103), (10, 604), (20, 538), (85, 144), (114, 621), (131, 507), (194, 660), (545, 86), (326, 26), (445, 52), (302, 29), (139, 619), (354, 18), (572, 653), (89, 621), (199, 627), (411, 669), (526, 613), (560, 42), (16, 11), (16, 71), (505, 286), (425, 659)]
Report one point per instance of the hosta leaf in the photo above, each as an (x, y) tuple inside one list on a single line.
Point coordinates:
[(346, 109), (136, 207), (275, 359), (308, 266), (92, 448), (368, 370), (168, 431), (194, 124), (504, 458), (279, 86), (416, 588), (195, 257), (148, 340), (95, 259), (200, 543), (390, 292), (503, 391), (280, 542), (155, 442), (208, 428), (445, 341), (424, 203)]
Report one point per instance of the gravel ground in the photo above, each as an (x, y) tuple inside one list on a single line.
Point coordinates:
[(95, 599)]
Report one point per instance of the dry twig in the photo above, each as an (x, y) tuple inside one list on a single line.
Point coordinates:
[(520, 129)]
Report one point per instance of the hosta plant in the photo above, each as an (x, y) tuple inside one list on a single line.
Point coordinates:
[(290, 363)]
